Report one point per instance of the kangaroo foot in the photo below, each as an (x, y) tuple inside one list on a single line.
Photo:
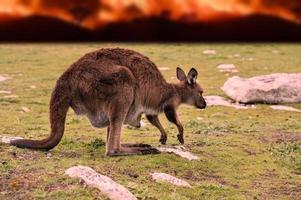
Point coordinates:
[(135, 145), (180, 138), (134, 149), (163, 140)]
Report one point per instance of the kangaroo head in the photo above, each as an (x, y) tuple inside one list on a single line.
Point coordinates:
[(191, 91)]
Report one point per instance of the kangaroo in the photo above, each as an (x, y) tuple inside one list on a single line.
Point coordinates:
[(112, 87)]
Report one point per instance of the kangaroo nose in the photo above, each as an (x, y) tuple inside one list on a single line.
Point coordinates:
[(203, 105)]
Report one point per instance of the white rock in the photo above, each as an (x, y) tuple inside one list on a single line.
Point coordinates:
[(5, 92), (48, 155), (10, 96), (178, 151), (162, 177), (8, 139), (33, 87), (220, 101), (105, 184), (274, 88), (227, 68), (163, 68), (286, 108), (3, 78), (25, 109), (209, 52)]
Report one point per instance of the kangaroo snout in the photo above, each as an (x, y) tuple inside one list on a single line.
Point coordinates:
[(202, 105)]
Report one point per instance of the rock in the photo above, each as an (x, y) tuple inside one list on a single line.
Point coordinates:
[(227, 68), (105, 184), (48, 155), (162, 177), (209, 52), (10, 96), (163, 68), (5, 92), (273, 88), (180, 152), (25, 109), (33, 87), (3, 78), (220, 101), (8, 139), (285, 108)]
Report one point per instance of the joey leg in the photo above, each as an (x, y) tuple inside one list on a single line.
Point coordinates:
[(154, 120), (172, 116)]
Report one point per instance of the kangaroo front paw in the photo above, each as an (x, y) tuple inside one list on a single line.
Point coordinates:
[(180, 138), (163, 140)]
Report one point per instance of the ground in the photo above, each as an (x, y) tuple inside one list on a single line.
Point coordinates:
[(244, 154)]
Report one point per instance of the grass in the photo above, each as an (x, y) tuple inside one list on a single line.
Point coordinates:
[(244, 154)]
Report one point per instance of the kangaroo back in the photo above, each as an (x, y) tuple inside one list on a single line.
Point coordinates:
[(59, 104)]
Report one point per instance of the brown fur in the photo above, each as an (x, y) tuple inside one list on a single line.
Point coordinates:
[(114, 87)]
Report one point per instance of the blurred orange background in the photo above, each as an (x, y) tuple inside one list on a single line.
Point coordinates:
[(96, 19)]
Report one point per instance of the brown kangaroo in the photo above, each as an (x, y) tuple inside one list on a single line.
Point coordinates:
[(113, 87)]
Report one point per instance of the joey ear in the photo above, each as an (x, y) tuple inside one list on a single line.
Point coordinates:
[(181, 74), (192, 76)]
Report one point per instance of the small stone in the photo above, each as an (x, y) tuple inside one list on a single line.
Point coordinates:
[(25, 109), (33, 87), (162, 177), (227, 68), (4, 78), (10, 96), (163, 68), (5, 92), (179, 152), (209, 52), (48, 155), (200, 118)]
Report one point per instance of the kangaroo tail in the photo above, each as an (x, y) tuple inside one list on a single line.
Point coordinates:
[(59, 104)]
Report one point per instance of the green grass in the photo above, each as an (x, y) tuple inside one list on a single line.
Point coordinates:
[(244, 154)]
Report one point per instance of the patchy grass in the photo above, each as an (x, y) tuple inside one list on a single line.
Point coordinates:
[(244, 154)]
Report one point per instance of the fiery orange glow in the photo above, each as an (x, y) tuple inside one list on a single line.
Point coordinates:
[(94, 14)]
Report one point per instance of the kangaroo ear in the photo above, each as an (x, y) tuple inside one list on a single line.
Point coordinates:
[(181, 74), (192, 76)]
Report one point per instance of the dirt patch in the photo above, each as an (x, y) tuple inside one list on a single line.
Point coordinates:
[(249, 151), (268, 186), (281, 138), (208, 177), (16, 181)]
